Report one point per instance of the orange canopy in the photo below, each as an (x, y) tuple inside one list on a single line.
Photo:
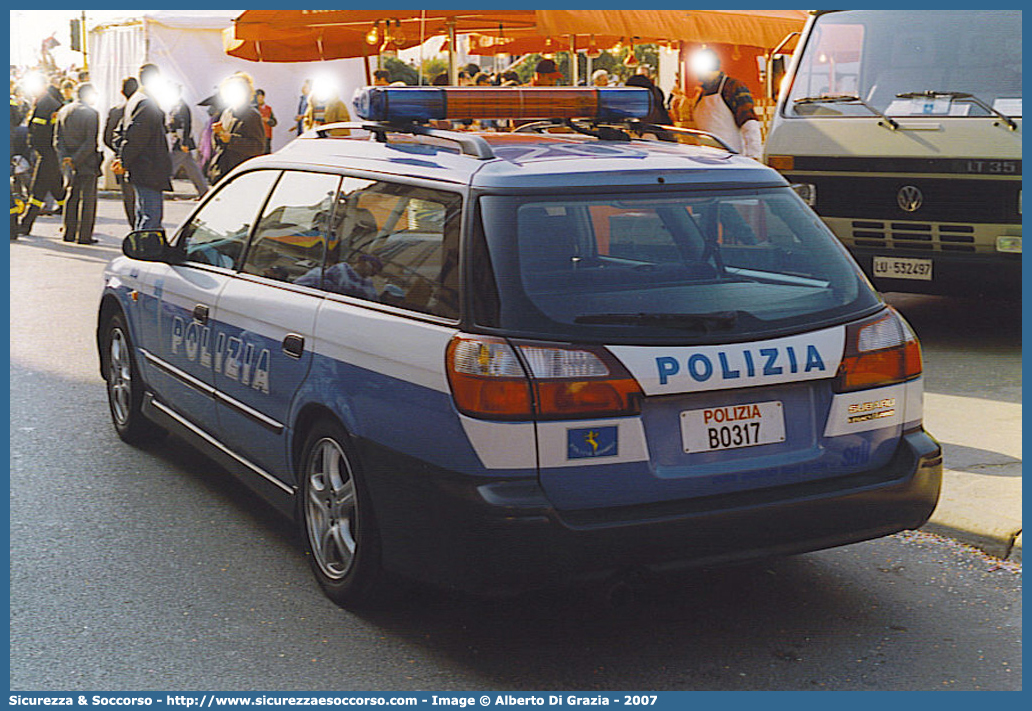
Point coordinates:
[(270, 24), (303, 46), (755, 28), (308, 35)]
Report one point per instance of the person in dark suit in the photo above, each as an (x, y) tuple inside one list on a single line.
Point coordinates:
[(75, 138), (143, 150), (180, 133), (114, 118)]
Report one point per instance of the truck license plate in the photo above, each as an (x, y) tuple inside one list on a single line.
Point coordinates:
[(903, 268), (732, 426)]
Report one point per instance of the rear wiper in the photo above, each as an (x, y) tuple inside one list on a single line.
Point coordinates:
[(847, 99), (715, 321), (960, 96)]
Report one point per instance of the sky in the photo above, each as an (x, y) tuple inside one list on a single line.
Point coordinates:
[(30, 27)]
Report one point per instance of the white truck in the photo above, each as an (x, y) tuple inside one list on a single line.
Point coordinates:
[(902, 129)]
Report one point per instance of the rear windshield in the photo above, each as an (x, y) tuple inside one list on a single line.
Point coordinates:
[(637, 268)]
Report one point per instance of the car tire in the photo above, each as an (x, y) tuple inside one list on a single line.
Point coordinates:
[(337, 522), (125, 386)]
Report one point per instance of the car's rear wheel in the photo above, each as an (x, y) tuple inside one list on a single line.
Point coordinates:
[(124, 385), (337, 519)]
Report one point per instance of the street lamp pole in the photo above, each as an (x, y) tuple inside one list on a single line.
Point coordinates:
[(85, 40)]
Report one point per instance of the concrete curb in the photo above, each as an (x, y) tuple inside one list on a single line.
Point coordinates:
[(1000, 544), (116, 195), (991, 522), (981, 506), (1015, 553)]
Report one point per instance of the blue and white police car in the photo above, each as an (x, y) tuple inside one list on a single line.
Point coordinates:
[(494, 361)]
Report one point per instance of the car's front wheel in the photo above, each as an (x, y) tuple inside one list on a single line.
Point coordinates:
[(124, 385), (337, 519)]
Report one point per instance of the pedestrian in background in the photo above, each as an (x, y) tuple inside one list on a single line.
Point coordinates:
[(657, 112), (484, 79), (325, 106), (724, 106), (179, 126), (21, 154), (268, 117), (600, 77), (143, 150), (114, 119), (67, 91), (206, 151), (546, 74), (238, 134), (20, 106), (302, 106), (75, 137)]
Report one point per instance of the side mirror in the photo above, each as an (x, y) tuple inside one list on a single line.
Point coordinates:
[(778, 68), (146, 246)]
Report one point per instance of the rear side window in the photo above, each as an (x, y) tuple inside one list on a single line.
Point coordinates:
[(217, 234), (290, 240), (698, 267), (396, 244)]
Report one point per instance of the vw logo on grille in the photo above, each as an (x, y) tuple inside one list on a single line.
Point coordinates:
[(909, 198)]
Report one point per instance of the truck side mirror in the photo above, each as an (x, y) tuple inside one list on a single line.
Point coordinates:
[(778, 67)]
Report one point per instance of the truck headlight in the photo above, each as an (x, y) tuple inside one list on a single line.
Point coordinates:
[(1008, 244), (807, 191)]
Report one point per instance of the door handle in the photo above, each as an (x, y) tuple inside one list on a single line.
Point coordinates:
[(294, 345), (200, 314)]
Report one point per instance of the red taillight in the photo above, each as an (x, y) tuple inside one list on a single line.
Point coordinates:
[(487, 380), (545, 381), (880, 351), (587, 398)]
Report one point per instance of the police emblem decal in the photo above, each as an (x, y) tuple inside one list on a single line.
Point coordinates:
[(588, 442)]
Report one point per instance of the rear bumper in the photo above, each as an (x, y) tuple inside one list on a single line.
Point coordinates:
[(491, 537)]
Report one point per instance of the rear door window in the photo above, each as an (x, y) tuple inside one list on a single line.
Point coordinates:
[(396, 244), (290, 240)]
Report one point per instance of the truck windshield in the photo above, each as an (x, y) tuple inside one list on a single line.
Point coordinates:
[(635, 268), (931, 56)]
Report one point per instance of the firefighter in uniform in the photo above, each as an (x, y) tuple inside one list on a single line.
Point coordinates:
[(47, 176), (18, 112)]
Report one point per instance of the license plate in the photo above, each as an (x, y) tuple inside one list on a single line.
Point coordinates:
[(732, 426), (903, 268)]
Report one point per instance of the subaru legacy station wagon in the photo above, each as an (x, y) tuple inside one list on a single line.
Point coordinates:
[(495, 361)]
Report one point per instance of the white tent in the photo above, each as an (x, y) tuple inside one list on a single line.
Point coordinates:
[(187, 46)]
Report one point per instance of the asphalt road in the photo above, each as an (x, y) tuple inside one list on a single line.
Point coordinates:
[(151, 569)]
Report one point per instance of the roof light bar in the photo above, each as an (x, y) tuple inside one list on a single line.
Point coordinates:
[(378, 103)]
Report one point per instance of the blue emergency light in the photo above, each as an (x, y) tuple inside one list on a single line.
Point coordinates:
[(416, 103)]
